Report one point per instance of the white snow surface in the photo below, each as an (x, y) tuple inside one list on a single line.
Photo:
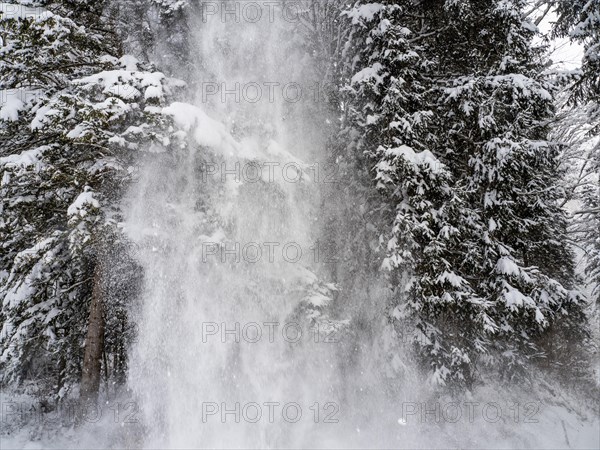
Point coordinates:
[(82, 202), (542, 417), (205, 130), (25, 159), (369, 73), (10, 106), (364, 12)]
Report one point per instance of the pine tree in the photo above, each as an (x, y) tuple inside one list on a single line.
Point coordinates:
[(449, 105), (390, 117), (579, 20), (69, 139), (590, 217), (581, 164), (503, 107)]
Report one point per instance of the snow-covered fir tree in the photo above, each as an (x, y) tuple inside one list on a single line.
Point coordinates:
[(75, 115), (389, 119), (579, 20), (451, 109), (498, 117)]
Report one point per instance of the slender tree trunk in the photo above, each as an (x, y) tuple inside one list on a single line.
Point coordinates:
[(94, 341)]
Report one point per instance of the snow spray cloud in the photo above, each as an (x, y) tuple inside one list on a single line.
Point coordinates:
[(195, 389), (180, 372)]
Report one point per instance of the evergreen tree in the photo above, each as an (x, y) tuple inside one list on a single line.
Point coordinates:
[(69, 140), (579, 20), (448, 104), (590, 217), (390, 111), (500, 109)]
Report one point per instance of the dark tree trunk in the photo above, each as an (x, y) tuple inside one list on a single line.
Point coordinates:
[(94, 341)]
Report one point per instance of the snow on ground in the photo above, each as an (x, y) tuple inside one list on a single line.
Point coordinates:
[(490, 417)]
